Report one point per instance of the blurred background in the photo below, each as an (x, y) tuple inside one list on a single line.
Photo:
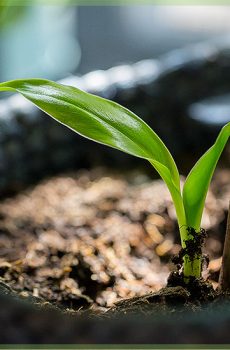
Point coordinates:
[(55, 41), (169, 64)]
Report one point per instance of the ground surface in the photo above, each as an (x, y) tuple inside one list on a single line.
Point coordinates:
[(90, 239)]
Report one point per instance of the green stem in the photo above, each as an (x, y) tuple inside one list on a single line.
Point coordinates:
[(191, 268), (191, 265)]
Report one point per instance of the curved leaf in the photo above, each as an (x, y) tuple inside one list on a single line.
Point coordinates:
[(95, 118), (103, 121), (199, 178)]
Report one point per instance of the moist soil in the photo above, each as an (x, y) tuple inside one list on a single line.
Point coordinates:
[(102, 244)]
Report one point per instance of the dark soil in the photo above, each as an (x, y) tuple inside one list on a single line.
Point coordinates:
[(87, 240)]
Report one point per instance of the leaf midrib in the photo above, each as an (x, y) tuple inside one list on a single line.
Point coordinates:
[(98, 117)]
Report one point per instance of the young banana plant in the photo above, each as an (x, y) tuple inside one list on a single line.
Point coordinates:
[(109, 123)]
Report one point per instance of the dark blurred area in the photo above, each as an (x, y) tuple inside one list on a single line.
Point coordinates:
[(172, 71), (46, 325)]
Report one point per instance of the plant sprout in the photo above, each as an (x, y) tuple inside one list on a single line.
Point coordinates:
[(109, 123)]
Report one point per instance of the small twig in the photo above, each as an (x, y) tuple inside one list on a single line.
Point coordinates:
[(224, 279)]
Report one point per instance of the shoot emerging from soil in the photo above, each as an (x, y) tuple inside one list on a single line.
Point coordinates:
[(111, 124)]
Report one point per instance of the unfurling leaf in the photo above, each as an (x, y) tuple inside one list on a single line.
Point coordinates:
[(199, 178)]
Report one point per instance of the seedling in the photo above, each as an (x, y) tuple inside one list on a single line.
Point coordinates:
[(109, 123)]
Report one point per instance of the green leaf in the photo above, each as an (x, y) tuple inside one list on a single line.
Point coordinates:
[(199, 178), (103, 121)]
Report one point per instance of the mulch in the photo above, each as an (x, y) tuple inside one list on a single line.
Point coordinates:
[(91, 238)]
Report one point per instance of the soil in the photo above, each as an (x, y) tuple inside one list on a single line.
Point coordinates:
[(87, 240)]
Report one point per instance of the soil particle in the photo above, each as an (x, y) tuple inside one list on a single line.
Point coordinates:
[(90, 239), (194, 244), (165, 301), (199, 289)]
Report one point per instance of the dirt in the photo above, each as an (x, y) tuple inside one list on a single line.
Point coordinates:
[(194, 243), (90, 239)]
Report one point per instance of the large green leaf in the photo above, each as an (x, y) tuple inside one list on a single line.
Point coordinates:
[(103, 121), (199, 178)]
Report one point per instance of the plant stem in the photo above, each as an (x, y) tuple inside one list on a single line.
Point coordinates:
[(191, 268), (192, 260), (224, 278), (191, 264)]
